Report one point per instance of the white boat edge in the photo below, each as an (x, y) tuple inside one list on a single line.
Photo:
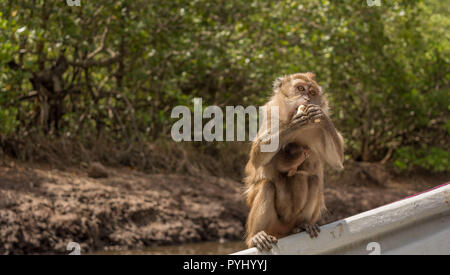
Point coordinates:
[(415, 225)]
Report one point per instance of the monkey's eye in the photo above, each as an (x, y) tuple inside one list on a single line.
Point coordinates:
[(301, 88), (313, 92)]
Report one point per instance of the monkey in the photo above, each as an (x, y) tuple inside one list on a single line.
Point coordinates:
[(281, 200), (290, 158)]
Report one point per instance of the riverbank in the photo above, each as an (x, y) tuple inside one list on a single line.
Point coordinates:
[(43, 209)]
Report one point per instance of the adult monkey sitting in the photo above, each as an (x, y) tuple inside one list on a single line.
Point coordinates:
[(284, 188)]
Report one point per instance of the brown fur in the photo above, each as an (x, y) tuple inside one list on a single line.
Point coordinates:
[(279, 201)]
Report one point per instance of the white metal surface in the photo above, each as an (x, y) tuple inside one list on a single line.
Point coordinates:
[(415, 225)]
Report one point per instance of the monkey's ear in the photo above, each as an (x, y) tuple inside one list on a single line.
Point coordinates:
[(277, 84), (311, 75)]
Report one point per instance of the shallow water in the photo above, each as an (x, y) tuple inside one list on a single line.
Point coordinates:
[(205, 248)]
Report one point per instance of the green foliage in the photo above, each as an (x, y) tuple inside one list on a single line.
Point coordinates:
[(8, 121), (130, 62), (433, 159)]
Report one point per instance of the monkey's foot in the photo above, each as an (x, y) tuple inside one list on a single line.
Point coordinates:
[(263, 241), (312, 229)]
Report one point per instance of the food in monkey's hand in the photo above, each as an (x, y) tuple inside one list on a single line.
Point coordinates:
[(301, 109)]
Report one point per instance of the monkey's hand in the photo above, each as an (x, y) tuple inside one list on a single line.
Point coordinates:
[(312, 114), (312, 229), (263, 241)]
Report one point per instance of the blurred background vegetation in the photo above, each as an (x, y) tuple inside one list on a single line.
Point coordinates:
[(99, 81)]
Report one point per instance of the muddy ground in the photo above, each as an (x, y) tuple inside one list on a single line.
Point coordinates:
[(43, 209)]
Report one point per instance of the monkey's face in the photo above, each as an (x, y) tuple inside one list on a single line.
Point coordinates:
[(299, 89)]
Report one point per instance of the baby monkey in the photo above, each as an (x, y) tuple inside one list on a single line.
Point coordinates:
[(290, 158)]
